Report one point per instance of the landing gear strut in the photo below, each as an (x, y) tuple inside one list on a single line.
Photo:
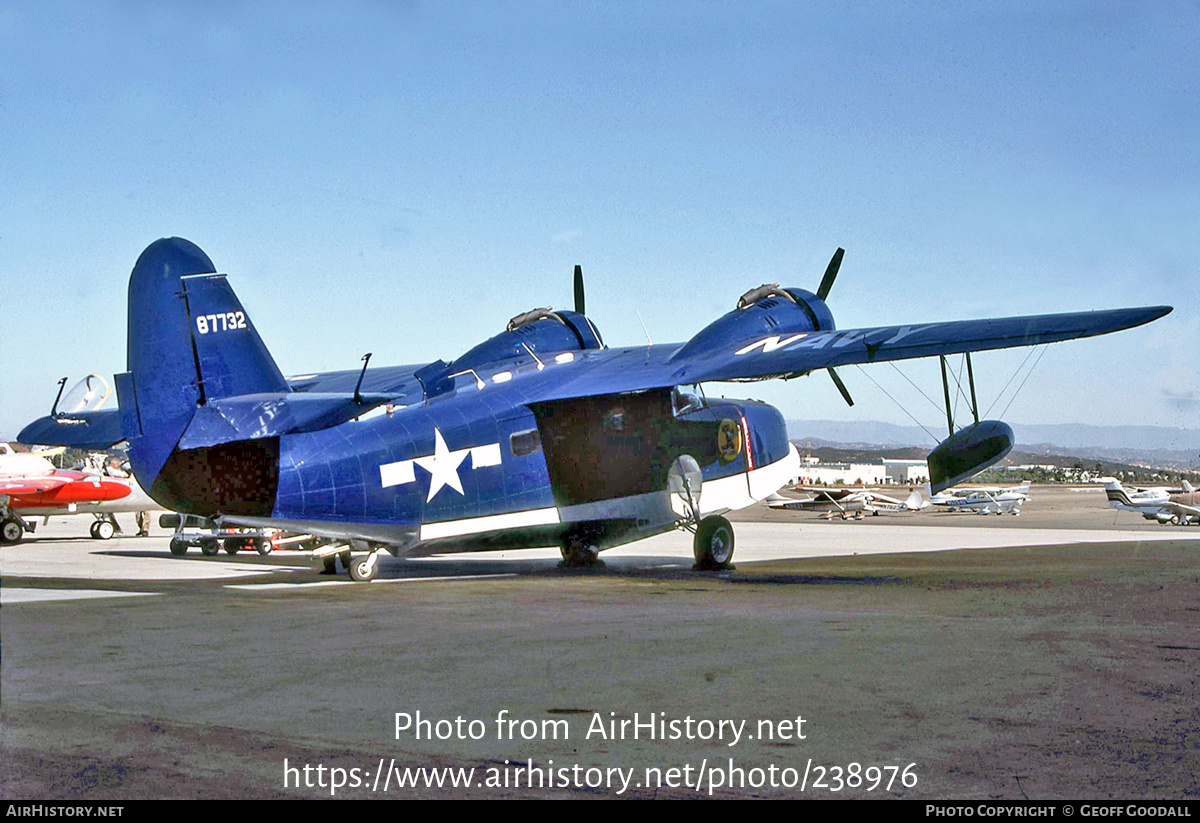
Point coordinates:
[(712, 545)]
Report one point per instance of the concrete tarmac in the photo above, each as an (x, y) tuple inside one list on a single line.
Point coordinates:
[(935, 655)]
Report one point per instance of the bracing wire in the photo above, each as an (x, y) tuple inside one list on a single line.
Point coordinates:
[(932, 402), (1014, 377), (959, 389), (897, 402), (1027, 376)]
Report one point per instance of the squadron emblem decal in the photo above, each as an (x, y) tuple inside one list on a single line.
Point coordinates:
[(729, 440)]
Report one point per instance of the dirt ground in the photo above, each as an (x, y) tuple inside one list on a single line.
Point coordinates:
[(1047, 673)]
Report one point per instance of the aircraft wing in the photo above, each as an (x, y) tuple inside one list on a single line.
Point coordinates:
[(1171, 506), (740, 354), (758, 356), (778, 501)]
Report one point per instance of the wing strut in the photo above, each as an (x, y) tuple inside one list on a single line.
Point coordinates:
[(946, 391)]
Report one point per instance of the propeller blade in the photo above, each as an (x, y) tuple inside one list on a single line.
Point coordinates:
[(579, 290), (831, 271), (837, 381)]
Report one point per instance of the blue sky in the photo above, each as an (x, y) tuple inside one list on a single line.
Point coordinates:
[(402, 178)]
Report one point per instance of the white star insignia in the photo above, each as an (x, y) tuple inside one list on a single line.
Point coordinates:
[(442, 465)]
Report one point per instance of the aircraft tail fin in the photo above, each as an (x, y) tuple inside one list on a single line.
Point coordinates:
[(1188, 487), (916, 501), (1115, 492), (190, 343), (231, 359)]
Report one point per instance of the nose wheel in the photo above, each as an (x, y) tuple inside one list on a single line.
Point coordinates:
[(713, 544)]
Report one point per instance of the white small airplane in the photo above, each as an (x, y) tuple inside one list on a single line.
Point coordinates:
[(1179, 507), (984, 501), (848, 503)]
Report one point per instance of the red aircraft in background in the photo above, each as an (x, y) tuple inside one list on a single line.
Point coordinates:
[(31, 486)]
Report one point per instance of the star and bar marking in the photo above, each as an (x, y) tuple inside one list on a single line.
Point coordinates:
[(443, 465)]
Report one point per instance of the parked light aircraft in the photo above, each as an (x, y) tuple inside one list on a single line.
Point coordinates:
[(30, 486), (848, 503), (1177, 507), (541, 435), (985, 501)]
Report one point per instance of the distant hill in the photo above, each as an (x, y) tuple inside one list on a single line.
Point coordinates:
[(1135, 445)]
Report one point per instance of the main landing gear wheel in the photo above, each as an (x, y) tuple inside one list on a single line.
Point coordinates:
[(578, 555), (713, 544), (11, 531), (580, 548), (102, 530)]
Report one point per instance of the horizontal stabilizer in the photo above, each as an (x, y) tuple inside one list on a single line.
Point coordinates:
[(96, 429), (255, 416)]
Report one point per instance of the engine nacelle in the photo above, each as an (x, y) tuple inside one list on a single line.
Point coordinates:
[(767, 310)]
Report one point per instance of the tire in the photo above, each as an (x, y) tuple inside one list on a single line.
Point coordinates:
[(713, 545), (11, 531), (209, 547), (233, 545), (104, 530), (362, 570), (578, 554), (92, 529), (581, 546), (179, 547), (261, 545)]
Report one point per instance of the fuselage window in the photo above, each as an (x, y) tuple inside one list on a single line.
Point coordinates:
[(526, 442)]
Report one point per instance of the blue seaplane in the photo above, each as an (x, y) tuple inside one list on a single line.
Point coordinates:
[(539, 436)]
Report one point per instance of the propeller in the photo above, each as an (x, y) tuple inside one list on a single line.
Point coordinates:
[(837, 381), (831, 272), (579, 290)]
